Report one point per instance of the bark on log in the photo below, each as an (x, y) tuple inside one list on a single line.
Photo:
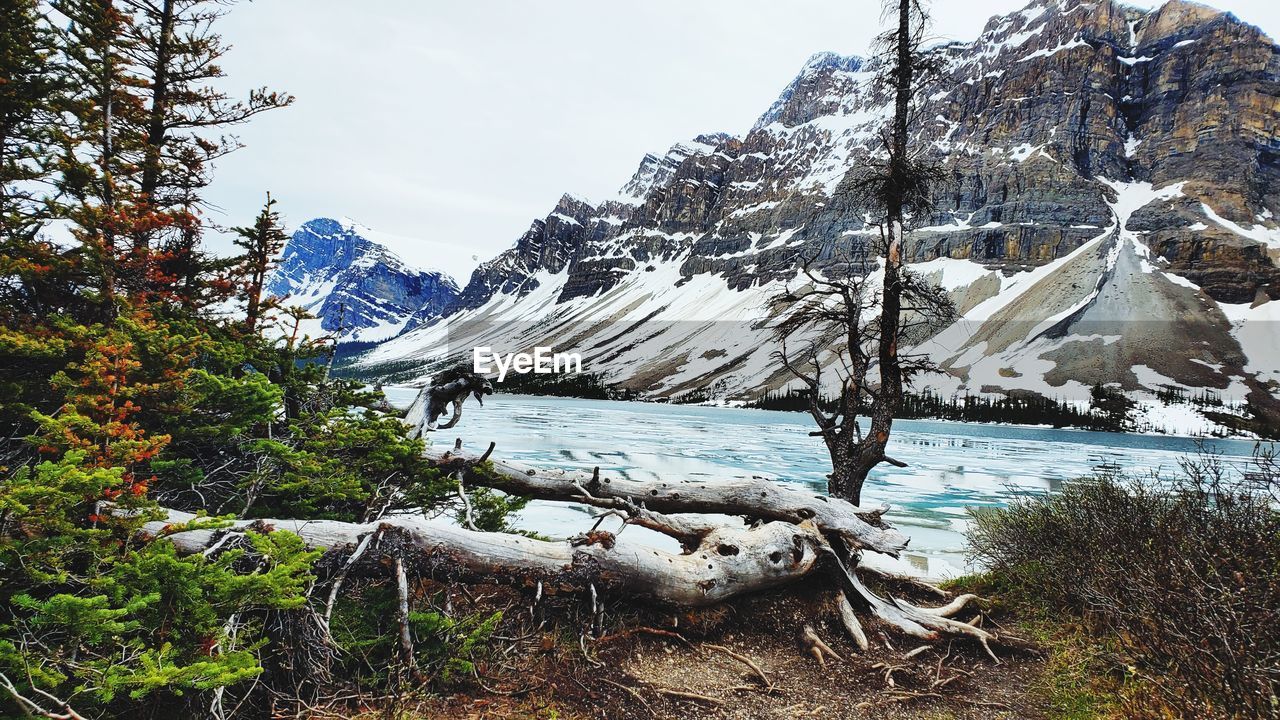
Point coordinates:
[(402, 612), (923, 623), (849, 619), (729, 561), (860, 527), (739, 537)]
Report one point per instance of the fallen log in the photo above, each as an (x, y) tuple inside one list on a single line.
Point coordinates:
[(860, 528), (729, 561), (738, 537)]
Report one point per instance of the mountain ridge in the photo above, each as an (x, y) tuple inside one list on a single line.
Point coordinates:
[(1094, 153), (357, 288)]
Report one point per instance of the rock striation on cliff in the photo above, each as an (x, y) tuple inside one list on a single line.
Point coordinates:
[(356, 287), (1107, 215)]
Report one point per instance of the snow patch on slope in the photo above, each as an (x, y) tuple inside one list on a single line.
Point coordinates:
[(950, 273), (1257, 329), (1268, 236)]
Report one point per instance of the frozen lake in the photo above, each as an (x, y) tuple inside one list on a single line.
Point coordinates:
[(952, 466)]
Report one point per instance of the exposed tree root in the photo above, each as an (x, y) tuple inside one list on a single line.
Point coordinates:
[(738, 536), (659, 632), (755, 669), (816, 647), (336, 585), (923, 623), (402, 616), (683, 695), (895, 579), (849, 619), (633, 693)]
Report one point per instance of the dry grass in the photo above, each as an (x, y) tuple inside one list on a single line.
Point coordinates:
[(1181, 576), (656, 664)]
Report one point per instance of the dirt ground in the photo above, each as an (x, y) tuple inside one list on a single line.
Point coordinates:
[(650, 664)]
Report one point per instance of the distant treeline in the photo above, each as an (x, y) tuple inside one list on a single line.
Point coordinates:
[(1240, 417), (1107, 412), (346, 352), (396, 372), (1204, 397), (590, 386)]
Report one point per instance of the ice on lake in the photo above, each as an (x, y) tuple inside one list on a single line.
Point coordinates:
[(951, 466)]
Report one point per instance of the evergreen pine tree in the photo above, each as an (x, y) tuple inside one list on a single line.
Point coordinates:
[(261, 243), (121, 389), (28, 109)]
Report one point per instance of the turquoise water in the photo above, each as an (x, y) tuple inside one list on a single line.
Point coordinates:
[(951, 466)]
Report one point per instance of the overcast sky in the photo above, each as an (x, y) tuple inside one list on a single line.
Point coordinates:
[(449, 126)]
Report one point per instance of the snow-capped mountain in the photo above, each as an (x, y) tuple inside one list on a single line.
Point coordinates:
[(1107, 216), (354, 286)]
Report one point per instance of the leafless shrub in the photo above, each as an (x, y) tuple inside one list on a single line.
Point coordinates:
[(1184, 572)]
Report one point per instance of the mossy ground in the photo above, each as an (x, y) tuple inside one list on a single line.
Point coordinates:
[(539, 668)]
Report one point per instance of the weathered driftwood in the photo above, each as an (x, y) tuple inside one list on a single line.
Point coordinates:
[(817, 647), (848, 618), (924, 623), (738, 536), (755, 498), (728, 561)]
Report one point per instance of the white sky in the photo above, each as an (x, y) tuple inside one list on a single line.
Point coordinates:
[(447, 124)]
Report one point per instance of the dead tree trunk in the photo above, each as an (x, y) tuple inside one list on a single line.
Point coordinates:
[(840, 321), (738, 537), (901, 178), (861, 527), (727, 562)]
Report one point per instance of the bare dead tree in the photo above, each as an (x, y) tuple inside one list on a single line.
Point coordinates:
[(842, 321)]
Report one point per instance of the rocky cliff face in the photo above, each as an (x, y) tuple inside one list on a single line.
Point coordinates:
[(354, 286), (1107, 214)]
